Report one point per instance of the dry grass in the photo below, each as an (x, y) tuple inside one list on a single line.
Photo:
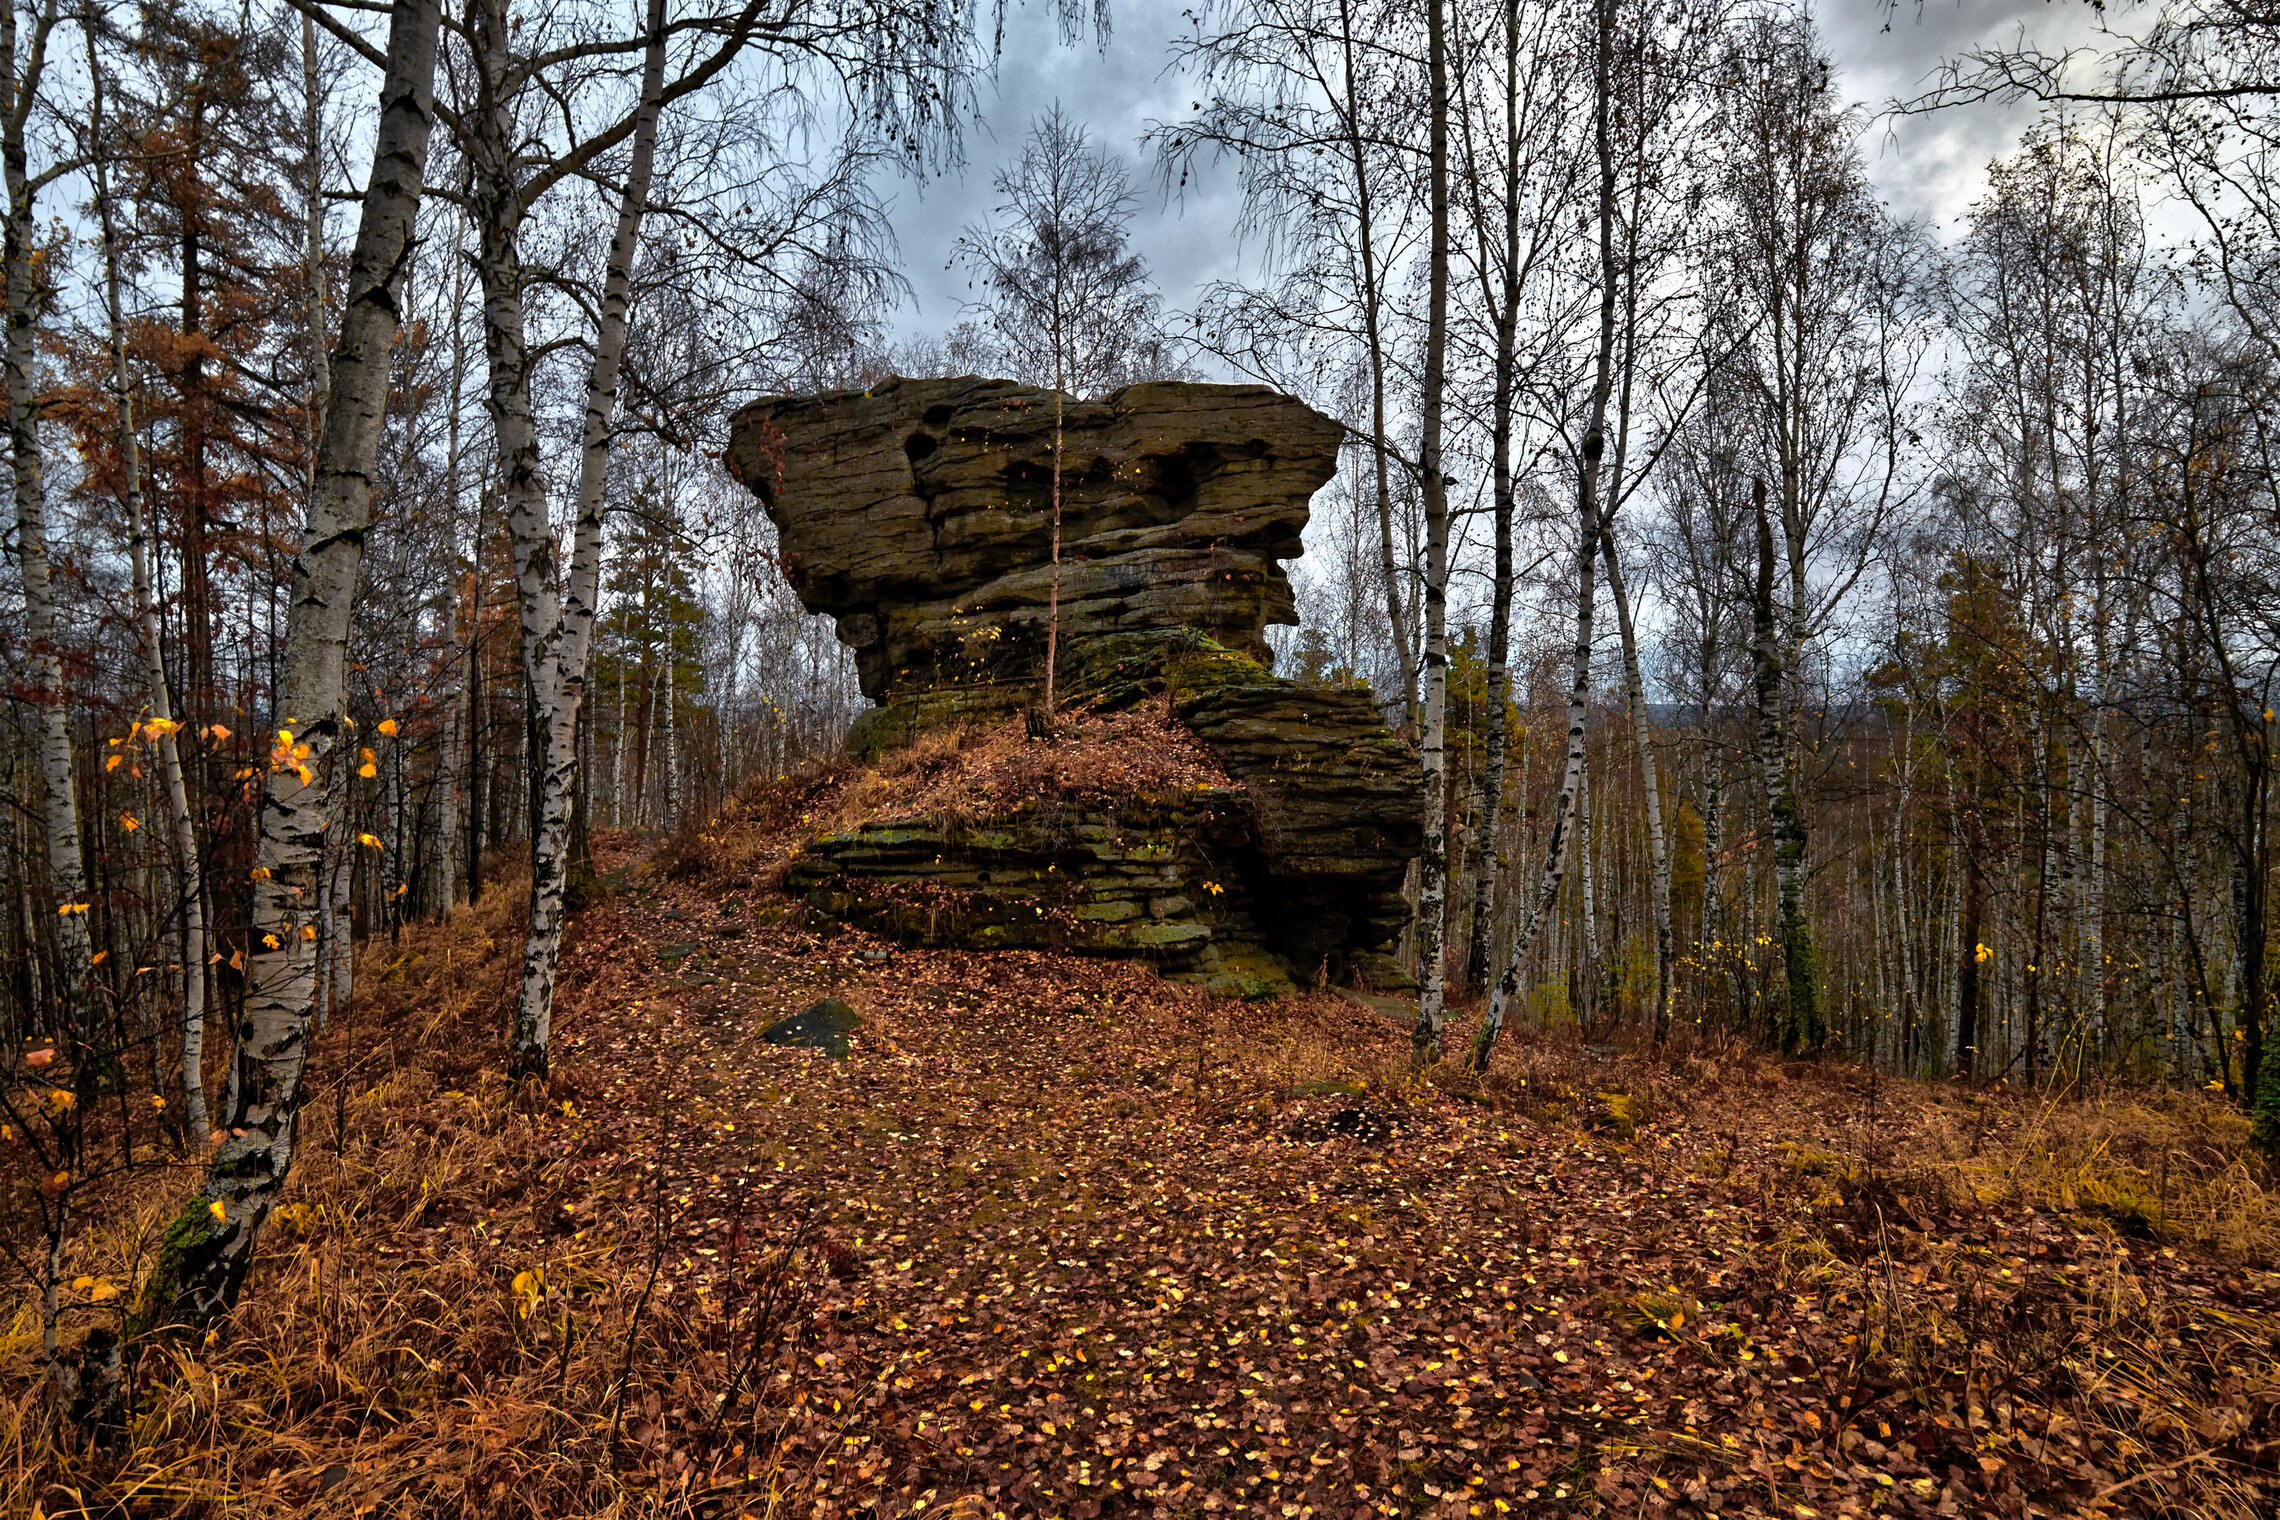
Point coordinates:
[(956, 776), (430, 1333)]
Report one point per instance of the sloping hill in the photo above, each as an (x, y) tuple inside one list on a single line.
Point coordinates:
[(1059, 1238)]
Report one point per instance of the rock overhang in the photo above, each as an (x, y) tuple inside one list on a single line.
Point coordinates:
[(918, 514)]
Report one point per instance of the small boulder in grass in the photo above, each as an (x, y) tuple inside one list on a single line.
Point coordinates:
[(825, 1026)]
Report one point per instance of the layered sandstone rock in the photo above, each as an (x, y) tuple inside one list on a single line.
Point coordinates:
[(918, 515)]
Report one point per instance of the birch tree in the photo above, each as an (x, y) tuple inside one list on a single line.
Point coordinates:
[(23, 71), (1065, 296), (210, 1247), (556, 610), (1315, 100), (1589, 454), (1433, 851), (1515, 214), (903, 66), (1808, 269)]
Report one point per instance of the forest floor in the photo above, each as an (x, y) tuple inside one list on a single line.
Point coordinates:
[(1058, 1238)]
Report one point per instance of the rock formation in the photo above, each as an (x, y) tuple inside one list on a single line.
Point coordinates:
[(918, 515)]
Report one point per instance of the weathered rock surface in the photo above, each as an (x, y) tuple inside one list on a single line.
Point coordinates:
[(919, 515), (1335, 804), (826, 1026), (1162, 880)]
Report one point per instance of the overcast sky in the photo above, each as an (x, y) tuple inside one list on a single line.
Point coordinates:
[(1929, 167)]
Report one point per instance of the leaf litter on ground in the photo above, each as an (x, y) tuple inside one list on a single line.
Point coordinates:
[(1062, 1239)]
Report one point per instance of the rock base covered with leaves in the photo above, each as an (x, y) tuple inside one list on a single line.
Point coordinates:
[(1191, 809), (1153, 879), (918, 515)]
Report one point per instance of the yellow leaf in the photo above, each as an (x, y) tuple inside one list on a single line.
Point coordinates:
[(271, 941), (82, 1284), (221, 1215), (103, 1289), (157, 1102), (388, 726), (63, 1101), (261, 873), (305, 774), (129, 822), (308, 931), (368, 770), (285, 737), (98, 957), (159, 728), (369, 841), (67, 909), (237, 957), (112, 764)]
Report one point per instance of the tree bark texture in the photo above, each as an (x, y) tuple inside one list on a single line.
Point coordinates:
[(1800, 1020), (1433, 852), (557, 611), (210, 1246)]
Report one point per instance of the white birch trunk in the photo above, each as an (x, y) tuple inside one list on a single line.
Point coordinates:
[(1642, 744), (1589, 526), (1433, 852), (450, 762), (557, 612), (669, 726), (210, 1247), (66, 885), (1800, 1020)]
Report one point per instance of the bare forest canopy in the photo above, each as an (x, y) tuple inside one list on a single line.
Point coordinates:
[(1796, 628)]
